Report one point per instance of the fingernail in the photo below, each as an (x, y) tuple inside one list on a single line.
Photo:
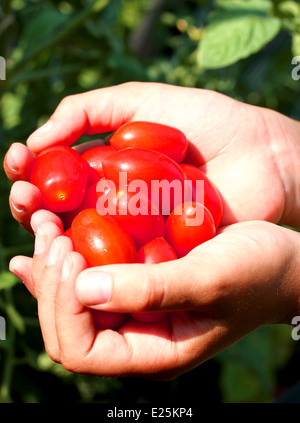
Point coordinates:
[(54, 253), (67, 268), (18, 207), (43, 129), (94, 287), (40, 242)]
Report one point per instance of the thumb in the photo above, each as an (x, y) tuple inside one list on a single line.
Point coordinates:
[(135, 288), (90, 113)]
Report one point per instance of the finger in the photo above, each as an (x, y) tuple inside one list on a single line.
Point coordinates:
[(24, 200), (81, 148), (158, 351), (45, 235), (47, 288), (159, 287), (18, 162), (21, 267), (43, 216), (90, 113)]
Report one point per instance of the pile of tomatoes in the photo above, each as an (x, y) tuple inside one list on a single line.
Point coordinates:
[(134, 200)]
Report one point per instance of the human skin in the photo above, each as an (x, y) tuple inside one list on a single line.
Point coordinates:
[(244, 278)]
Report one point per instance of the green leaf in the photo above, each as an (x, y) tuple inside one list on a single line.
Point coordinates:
[(296, 44), (233, 37), (7, 280), (290, 8), (251, 5), (42, 27)]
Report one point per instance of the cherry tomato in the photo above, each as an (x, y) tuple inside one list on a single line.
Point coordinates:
[(101, 240), (153, 172), (156, 136), (211, 196), (108, 319), (61, 175), (189, 225), (134, 213), (156, 251), (94, 157)]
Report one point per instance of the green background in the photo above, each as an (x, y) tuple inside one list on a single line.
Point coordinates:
[(242, 48)]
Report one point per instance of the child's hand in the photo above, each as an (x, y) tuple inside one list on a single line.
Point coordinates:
[(244, 278), (248, 152)]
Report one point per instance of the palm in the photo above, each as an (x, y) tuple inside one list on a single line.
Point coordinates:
[(231, 144)]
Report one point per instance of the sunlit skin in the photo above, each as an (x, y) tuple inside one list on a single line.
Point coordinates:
[(244, 278)]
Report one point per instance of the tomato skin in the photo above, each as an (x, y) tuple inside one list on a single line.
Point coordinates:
[(108, 319), (150, 168), (94, 158), (93, 192), (211, 196), (101, 240), (156, 136), (141, 220), (157, 250), (61, 175), (184, 236)]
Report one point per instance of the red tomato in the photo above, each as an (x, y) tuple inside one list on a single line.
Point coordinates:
[(134, 213), (153, 172), (61, 175), (101, 240), (189, 225), (211, 196), (156, 251), (108, 319), (156, 136), (94, 157), (92, 194)]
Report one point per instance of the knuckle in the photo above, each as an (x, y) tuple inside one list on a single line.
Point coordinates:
[(153, 291)]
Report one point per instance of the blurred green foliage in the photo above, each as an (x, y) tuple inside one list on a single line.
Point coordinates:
[(53, 48)]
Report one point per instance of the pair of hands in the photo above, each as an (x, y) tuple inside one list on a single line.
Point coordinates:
[(244, 278)]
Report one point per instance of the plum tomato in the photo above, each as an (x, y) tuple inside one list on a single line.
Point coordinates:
[(157, 176), (189, 225), (134, 213), (157, 250), (61, 175), (101, 240), (93, 192), (163, 138), (211, 197), (94, 158)]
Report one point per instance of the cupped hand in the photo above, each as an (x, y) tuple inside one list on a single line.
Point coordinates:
[(245, 150), (244, 278)]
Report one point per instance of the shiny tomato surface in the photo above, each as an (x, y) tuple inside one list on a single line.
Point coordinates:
[(101, 240), (94, 157), (159, 177), (189, 225), (61, 175), (210, 195), (157, 250), (134, 213), (162, 138)]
